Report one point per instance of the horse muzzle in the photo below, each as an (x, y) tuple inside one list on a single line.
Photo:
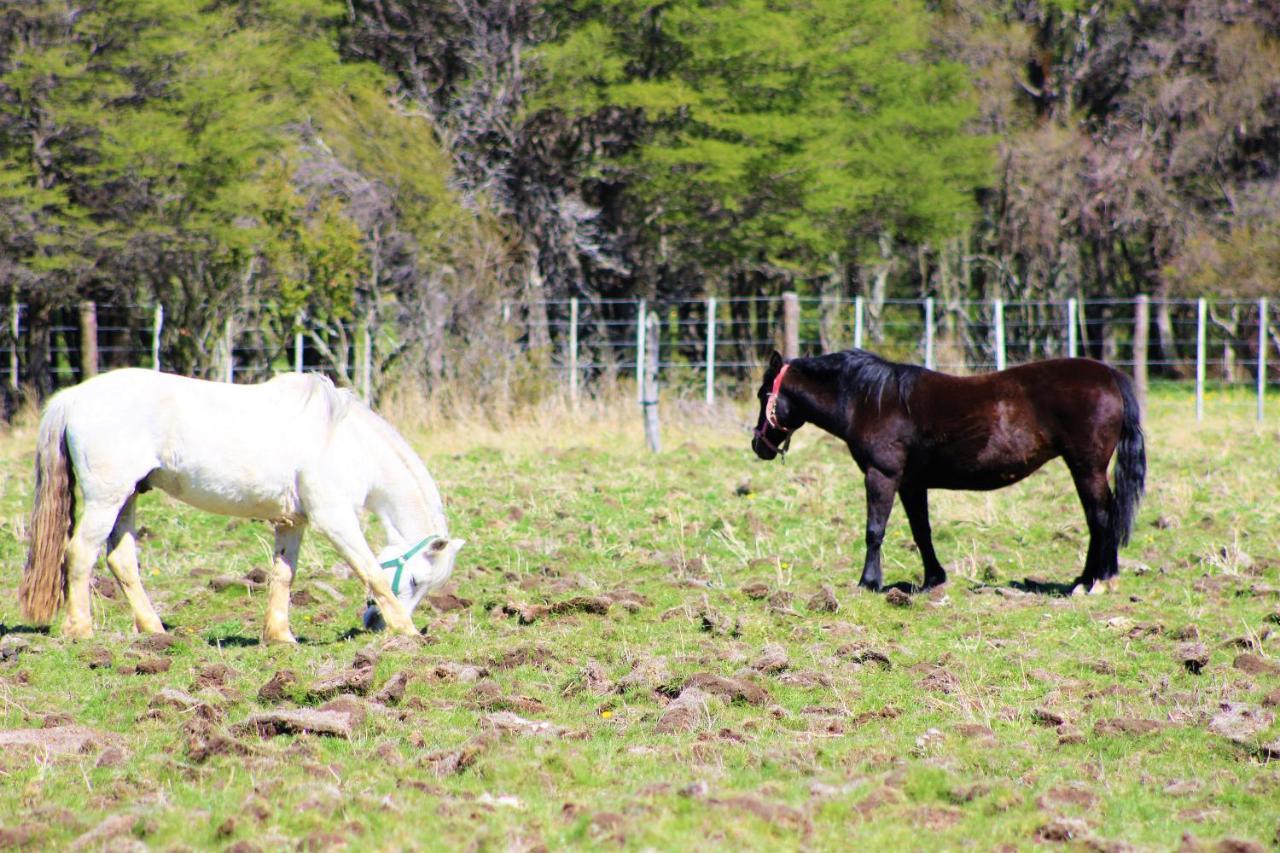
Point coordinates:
[(372, 619)]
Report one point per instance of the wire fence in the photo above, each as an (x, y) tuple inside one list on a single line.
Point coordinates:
[(715, 346)]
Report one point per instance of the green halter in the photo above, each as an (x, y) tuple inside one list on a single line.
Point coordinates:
[(398, 562)]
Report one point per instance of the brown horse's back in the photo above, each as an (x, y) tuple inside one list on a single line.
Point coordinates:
[(988, 431)]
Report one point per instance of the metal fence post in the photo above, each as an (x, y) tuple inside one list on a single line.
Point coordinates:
[(928, 332), (1141, 335), (1201, 310), (157, 326), (15, 326), (999, 324), (1071, 328), (641, 314), (227, 333), (857, 322), (297, 344), (711, 351), (573, 350), (1262, 354), (649, 399)]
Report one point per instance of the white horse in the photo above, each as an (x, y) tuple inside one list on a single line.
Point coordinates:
[(294, 451)]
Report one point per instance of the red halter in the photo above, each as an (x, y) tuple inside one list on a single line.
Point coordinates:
[(771, 405), (771, 417)]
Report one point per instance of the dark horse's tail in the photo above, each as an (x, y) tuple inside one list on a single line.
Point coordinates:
[(1131, 464)]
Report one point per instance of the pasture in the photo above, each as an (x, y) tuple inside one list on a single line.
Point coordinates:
[(655, 651)]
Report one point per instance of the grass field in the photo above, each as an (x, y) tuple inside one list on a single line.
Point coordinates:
[(668, 651)]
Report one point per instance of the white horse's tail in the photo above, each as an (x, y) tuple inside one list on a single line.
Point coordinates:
[(44, 580)]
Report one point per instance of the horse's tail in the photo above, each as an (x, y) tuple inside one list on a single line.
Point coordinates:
[(1131, 464), (44, 580)]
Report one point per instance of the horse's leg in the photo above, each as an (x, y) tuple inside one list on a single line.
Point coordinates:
[(91, 532), (880, 490), (343, 530), (916, 502), (122, 559), (283, 567), (1095, 497)]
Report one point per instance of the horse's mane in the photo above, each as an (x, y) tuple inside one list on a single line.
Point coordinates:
[(314, 391), (863, 376)]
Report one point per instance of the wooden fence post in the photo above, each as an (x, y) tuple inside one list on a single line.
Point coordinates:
[(790, 325), (1262, 354), (157, 326), (649, 400), (999, 324), (1141, 335), (711, 351), (88, 340), (1201, 310), (573, 351)]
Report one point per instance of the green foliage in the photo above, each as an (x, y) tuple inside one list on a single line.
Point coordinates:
[(783, 134)]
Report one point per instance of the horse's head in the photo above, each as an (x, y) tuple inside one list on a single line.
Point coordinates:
[(777, 419), (414, 571)]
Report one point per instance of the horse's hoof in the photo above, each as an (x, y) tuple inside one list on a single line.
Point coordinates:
[(1078, 590), (279, 640), (1112, 584), (869, 587)]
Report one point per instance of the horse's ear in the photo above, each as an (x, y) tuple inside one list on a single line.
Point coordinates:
[(775, 360)]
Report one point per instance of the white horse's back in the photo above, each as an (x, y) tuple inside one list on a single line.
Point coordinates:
[(229, 449)]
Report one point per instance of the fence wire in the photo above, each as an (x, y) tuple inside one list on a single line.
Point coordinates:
[(717, 346)]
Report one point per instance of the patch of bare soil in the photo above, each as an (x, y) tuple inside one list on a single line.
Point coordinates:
[(756, 590), (452, 761), (357, 678), (1240, 723), (487, 694), (773, 658), (534, 655), (508, 722), (98, 658), (110, 828), (1063, 830), (1193, 656), (205, 741), (716, 623), (58, 740), (897, 598), (145, 666), (23, 835), (1255, 665), (646, 674), (1069, 795), (1047, 717), (732, 689), (778, 814), (823, 601), (938, 679), (861, 653), (935, 818), (684, 712), (804, 679), (213, 675), (1126, 726), (301, 721), (461, 672), (277, 688), (393, 691)]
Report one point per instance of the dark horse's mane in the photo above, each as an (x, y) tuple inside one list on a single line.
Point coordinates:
[(863, 377)]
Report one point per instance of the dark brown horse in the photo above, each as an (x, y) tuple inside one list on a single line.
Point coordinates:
[(911, 430)]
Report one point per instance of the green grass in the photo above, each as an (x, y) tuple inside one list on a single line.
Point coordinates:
[(563, 507)]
